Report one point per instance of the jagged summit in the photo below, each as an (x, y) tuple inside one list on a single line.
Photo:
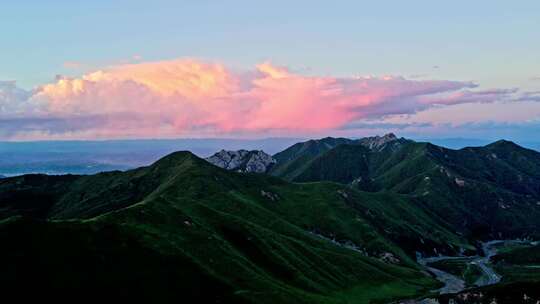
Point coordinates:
[(378, 142), (242, 160)]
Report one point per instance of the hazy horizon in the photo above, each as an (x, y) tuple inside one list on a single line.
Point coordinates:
[(89, 157)]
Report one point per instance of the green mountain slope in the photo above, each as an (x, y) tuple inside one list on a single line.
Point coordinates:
[(346, 230), (183, 229), (296, 158), (486, 192)]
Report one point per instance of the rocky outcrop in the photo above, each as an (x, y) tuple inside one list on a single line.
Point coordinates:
[(269, 195), (379, 142), (242, 161)]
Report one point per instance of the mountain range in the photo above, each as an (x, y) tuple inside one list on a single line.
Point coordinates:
[(333, 220), (486, 192)]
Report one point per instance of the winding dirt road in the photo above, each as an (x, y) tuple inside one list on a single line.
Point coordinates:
[(452, 283)]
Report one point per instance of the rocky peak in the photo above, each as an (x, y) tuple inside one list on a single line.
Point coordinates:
[(377, 142), (242, 160)]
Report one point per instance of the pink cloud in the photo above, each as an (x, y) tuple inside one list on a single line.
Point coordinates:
[(190, 97)]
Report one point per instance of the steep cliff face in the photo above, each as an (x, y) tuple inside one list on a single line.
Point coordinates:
[(242, 161)]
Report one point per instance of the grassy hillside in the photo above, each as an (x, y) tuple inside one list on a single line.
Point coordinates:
[(523, 254), (293, 160), (519, 262), (347, 231), (66, 261), (183, 229), (487, 192)]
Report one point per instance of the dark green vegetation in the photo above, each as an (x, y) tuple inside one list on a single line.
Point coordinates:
[(296, 158), (483, 193), (63, 261), (341, 223), (487, 192), (520, 254), (183, 229), (519, 263)]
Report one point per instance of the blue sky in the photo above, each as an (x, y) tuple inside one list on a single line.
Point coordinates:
[(493, 44)]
